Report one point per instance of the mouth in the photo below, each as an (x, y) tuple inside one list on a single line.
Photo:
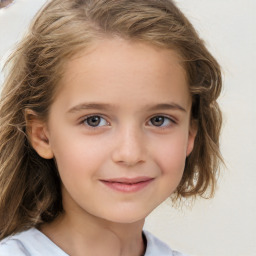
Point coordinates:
[(128, 185)]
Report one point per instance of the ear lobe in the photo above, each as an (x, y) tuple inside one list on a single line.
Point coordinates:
[(37, 134), (191, 137)]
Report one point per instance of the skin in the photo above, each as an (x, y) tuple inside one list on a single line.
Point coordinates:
[(140, 94)]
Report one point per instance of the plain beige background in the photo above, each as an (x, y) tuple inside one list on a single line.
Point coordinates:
[(225, 225)]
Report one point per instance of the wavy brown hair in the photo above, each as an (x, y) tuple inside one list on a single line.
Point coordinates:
[(30, 185)]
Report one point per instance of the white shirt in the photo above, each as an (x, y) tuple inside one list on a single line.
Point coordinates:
[(34, 243)]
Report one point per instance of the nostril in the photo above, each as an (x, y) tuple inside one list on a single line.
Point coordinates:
[(129, 149)]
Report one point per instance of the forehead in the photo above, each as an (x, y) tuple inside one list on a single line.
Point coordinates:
[(127, 69), (124, 54)]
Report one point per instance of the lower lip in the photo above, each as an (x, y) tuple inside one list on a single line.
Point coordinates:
[(128, 188)]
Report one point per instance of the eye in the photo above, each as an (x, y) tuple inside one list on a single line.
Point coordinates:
[(160, 121), (95, 121)]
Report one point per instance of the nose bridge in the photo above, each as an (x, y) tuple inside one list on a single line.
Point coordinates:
[(129, 146)]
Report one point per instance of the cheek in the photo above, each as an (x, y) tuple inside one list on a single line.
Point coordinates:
[(77, 155), (170, 155)]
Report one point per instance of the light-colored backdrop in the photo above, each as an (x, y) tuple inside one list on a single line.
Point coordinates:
[(225, 225)]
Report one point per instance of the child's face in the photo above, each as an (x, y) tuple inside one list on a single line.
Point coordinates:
[(122, 114)]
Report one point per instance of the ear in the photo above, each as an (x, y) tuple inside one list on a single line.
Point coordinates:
[(191, 136), (38, 135)]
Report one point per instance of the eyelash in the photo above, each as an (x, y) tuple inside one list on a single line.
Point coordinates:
[(171, 121), (85, 121)]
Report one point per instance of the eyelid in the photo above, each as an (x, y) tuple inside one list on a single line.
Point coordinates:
[(84, 118), (171, 118)]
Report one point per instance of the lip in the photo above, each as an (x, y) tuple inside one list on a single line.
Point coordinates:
[(128, 185)]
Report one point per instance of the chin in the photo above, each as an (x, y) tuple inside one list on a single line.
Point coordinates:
[(127, 217)]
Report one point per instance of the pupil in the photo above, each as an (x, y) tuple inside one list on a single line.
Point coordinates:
[(93, 120), (157, 121)]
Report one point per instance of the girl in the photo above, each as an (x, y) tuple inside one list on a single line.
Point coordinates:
[(109, 108)]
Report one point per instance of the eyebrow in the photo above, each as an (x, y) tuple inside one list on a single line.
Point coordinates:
[(166, 106), (86, 106), (104, 106)]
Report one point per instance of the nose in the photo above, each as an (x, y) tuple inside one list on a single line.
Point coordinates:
[(130, 148)]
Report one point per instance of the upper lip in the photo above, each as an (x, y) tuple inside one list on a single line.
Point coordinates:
[(129, 180)]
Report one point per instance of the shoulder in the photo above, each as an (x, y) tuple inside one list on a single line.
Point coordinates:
[(12, 246), (27, 243), (157, 247)]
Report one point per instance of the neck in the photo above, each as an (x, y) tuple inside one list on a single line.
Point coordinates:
[(95, 236)]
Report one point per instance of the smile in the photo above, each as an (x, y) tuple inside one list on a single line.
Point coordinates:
[(128, 185)]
